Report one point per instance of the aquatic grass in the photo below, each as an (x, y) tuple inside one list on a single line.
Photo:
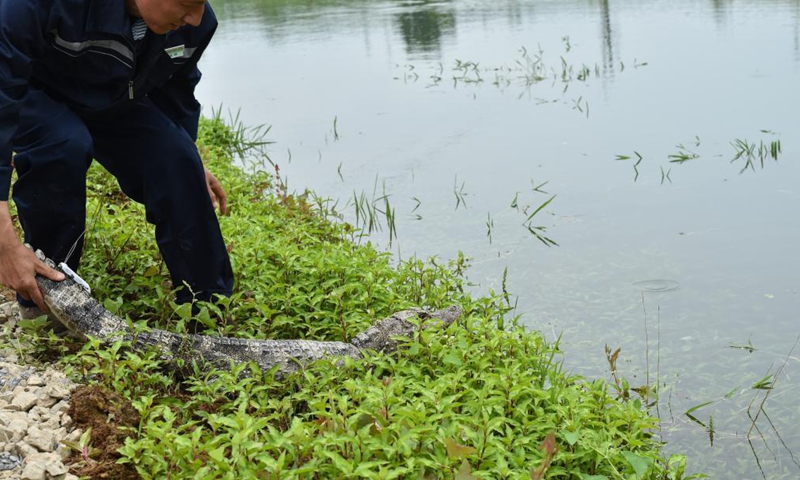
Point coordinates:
[(537, 231), (751, 152), (239, 140), (335, 129), (459, 193), (372, 212), (682, 155), (530, 69), (635, 165)]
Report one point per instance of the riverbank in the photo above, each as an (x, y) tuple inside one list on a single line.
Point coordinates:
[(484, 399)]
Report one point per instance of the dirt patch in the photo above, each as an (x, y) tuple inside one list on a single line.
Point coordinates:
[(106, 413)]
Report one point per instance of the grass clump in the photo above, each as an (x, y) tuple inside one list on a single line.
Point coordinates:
[(483, 399)]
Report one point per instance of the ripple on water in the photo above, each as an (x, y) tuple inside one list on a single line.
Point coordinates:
[(657, 285)]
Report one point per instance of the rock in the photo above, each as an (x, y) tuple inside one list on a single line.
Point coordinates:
[(35, 381), (24, 401), (8, 311), (10, 355), (34, 471), (9, 461), (46, 401), (66, 420), (74, 436), (63, 451), (42, 413), (59, 389), (44, 440), (23, 450), (14, 431), (56, 468), (33, 412), (59, 408)]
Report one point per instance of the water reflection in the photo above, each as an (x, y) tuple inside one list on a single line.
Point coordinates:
[(422, 29), (608, 44)]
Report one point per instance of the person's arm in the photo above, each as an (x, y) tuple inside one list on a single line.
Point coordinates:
[(22, 24), (19, 265)]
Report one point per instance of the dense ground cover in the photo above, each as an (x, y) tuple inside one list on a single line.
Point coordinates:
[(483, 399)]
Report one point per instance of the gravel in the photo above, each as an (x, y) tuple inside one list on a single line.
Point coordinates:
[(33, 412)]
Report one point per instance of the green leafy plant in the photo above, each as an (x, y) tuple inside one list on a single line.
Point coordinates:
[(485, 398)]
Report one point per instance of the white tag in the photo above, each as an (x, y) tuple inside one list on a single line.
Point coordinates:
[(68, 272), (175, 52)]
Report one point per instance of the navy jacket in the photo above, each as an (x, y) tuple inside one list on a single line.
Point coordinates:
[(82, 53)]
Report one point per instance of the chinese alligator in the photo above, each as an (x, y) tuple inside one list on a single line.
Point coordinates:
[(74, 306)]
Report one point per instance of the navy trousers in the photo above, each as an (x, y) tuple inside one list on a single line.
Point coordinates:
[(156, 164)]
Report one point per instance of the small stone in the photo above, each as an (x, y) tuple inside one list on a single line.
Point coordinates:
[(66, 420), (42, 412), (44, 440), (46, 401), (57, 468), (63, 451), (8, 461), (75, 435), (24, 401), (14, 431), (50, 422), (35, 381), (9, 416), (24, 450), (34, 471), (59, 408), (59, 390), (10, 356), (8, 310)]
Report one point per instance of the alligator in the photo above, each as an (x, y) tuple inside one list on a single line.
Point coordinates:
[(71, 303)]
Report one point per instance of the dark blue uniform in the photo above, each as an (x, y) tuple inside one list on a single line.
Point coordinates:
[(75, 85)]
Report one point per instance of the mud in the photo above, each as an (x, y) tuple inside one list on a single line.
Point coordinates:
[(112, 420)]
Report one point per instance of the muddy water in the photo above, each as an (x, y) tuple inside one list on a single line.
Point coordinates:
[(629, 113)]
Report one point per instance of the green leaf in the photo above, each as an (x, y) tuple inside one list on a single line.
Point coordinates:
[(698, 407), (456, 450), (571, 437), (639, 464), (452, 358), (218, 454), (465, 472)]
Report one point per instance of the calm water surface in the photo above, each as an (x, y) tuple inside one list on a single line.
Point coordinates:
[(673, 262)]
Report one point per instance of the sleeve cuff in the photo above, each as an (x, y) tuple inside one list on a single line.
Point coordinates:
[(5, 182)]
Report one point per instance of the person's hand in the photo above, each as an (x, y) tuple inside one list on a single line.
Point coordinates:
[(217, 193), (18, 269)]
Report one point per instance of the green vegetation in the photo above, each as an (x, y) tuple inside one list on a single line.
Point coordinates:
[(747, 151), (484, 399)]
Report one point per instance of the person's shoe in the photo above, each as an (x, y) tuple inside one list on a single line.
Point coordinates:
[(34, 312)]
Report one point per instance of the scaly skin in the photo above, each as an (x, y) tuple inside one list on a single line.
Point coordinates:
[(73, 306)]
